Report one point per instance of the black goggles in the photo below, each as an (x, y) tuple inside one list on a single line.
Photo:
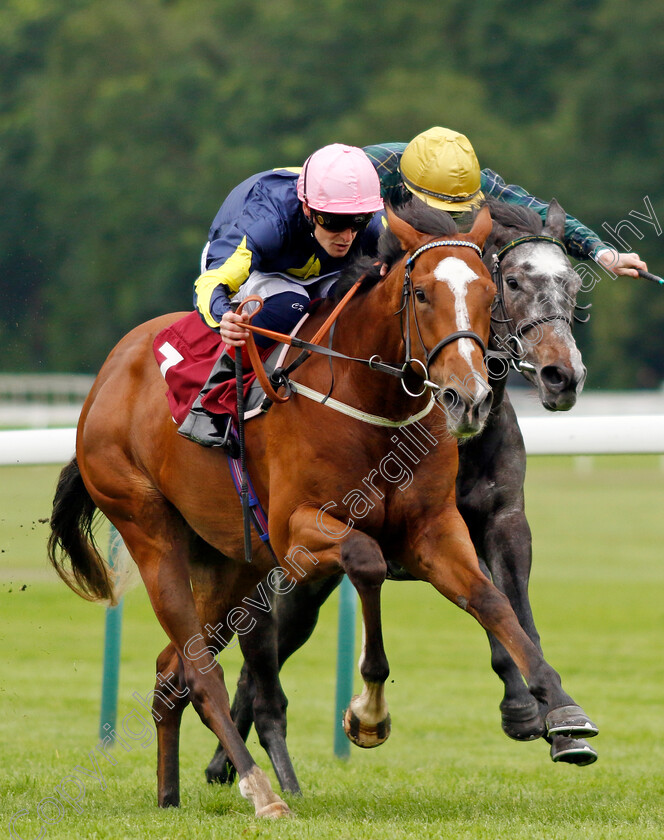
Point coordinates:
[(337, 222)]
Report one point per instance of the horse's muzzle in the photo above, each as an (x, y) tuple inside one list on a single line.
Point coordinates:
[(466, 413), (559, 386)]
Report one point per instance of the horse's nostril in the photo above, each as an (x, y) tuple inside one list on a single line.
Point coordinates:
[(556, 378), (450, 399)]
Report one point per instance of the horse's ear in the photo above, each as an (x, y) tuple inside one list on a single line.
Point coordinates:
[(407, 235), (555, 220), (481, 227)]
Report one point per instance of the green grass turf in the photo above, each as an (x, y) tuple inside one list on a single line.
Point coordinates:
[(447, 771)]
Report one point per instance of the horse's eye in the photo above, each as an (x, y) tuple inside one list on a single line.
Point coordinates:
[(420, 295), (512, 282)]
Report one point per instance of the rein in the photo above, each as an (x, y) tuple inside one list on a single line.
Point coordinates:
[(280, 377), (282, 338)]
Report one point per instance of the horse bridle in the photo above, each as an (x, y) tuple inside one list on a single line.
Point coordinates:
[(408, 305), (516, 332), (279, 377)]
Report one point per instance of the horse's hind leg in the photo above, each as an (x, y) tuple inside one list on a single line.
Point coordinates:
[(295, 614), (160, 545), (171, 693), (267, 702), (169, 702), (220, 769)]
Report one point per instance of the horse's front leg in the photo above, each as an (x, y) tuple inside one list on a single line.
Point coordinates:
[(366, 721), (266, 696), (508, 550), (443, 554)]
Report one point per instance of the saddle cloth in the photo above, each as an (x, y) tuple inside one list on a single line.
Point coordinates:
[(186, 352)]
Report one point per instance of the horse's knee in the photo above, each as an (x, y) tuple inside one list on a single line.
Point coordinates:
[(363, 562), (206, 691), (486, 603)]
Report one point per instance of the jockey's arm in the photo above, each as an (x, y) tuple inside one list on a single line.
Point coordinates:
[(581, 242), (243, 248), (212, 293)]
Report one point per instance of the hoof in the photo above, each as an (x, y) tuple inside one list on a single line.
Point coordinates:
[(171, 801), (572, 751), (571, 721), (363, 735), (274, 811), (168, 795), (522, 723), (255, 786), (224, 775)]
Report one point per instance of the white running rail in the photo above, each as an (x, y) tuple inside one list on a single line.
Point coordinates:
[(562, 434)]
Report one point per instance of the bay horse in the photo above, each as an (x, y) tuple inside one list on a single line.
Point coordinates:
[(174, 503), (531, 327)]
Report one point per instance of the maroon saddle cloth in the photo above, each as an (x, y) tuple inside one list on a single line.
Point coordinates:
[(186, 352)]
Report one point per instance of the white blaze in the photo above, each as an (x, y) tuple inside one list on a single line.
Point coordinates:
[(551, 265), (458, 275), (551, 260)]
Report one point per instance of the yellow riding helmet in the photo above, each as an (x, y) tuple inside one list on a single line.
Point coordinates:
[(440, 167)]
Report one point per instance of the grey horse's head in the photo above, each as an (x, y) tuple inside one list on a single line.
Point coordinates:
[(533, 320)]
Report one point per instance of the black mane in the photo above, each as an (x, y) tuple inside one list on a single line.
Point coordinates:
[(515, 216), (427, 219), (509, 222), (420, 216)]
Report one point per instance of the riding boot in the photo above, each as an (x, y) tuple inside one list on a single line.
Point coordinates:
[(209, 429)]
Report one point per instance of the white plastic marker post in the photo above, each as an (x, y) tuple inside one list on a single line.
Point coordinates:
[(568, 434)]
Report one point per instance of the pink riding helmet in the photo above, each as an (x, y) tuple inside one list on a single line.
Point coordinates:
[(340, 179)]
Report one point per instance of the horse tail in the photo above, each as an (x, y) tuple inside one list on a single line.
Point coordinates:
[(72, 542)]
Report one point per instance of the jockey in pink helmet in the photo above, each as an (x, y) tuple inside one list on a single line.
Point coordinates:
[(283, 234), (336, 180)]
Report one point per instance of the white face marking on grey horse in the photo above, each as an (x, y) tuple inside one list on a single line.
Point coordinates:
[(549, 264), (550, 259), (558, 285), (457, 274)]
